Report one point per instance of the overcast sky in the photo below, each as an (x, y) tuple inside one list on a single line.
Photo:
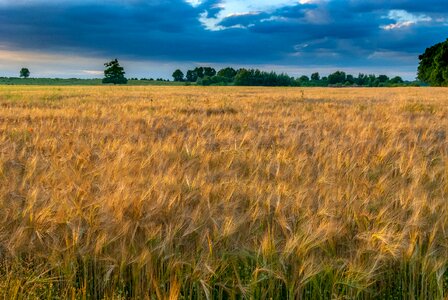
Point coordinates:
[(68, 38)]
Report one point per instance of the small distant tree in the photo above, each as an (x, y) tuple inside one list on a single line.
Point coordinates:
[(350, 79), (199, 72), (243, 77), (178, 75), (210, 72), (383, 78), (337, 77), (304, 78), (315, 76), (229, 73), (192, 76), (114, 73), (25, 73), (362, 79), (372, 81), (396, 80)]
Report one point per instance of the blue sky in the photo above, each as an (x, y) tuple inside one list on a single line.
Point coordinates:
[(67, 38)]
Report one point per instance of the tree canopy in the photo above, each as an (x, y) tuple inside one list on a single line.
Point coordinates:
[(228, 73), (25, 73), (178, 75), (433, 67), (200, 73), (192, 76), (114, 73)]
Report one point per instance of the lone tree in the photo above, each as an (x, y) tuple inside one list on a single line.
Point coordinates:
[(25, 73), (114, 73), (178, 75), (433, 67)]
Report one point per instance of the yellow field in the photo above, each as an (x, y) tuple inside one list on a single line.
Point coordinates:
[(223, 193)]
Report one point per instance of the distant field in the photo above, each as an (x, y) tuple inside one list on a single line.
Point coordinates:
[(223, 193), (77, 81)]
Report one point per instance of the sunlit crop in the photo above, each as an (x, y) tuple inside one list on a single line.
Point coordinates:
[(223, 193)]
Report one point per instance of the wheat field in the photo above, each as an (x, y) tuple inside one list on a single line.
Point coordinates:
[(223, 193)]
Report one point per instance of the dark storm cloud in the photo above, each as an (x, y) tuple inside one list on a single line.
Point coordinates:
[(154, 30), (340, 33), (111, 27), (416, 6), (352, 32)]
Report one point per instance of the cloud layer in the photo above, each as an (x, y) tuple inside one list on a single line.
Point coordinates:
[(319, 34)]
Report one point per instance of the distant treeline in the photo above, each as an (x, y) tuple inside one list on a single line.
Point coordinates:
[(84, 81), (254, 77), (206, 76)]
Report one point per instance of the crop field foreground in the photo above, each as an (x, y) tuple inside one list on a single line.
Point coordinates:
[(223, 193)]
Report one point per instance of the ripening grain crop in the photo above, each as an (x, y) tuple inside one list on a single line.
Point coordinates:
[(223, 193)]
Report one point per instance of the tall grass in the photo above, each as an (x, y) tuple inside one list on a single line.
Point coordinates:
[(223, 193)]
